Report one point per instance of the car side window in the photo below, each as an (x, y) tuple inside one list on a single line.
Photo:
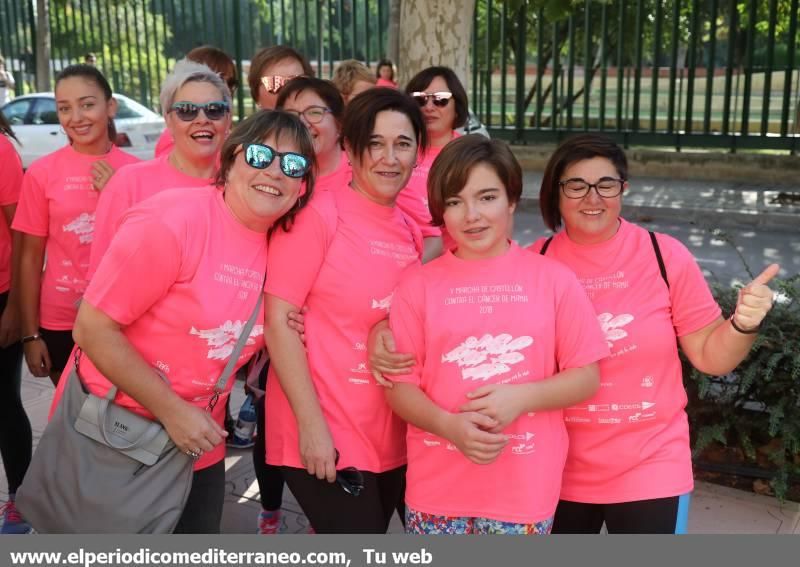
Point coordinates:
[(16, 111), (45, 112), (124, 110)]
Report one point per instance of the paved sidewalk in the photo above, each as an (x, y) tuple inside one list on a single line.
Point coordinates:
[(714, 509)]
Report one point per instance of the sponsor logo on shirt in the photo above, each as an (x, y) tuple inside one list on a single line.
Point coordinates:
[(83, 226), (481, 359), (222, 339)]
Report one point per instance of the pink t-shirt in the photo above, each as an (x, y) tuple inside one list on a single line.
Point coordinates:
[(182, 277), (381, 82), (58, 202), (10, 183), (353, 252), (511, 319), (631, 441), (340, 177), (128, 187), (165, 143), (413, 200)]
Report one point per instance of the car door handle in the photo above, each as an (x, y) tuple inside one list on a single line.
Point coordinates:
[(54, 133)]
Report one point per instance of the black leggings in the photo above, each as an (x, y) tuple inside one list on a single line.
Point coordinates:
[(16, 439), (203, 511), (270, 479), (657, 516), (331, 510)]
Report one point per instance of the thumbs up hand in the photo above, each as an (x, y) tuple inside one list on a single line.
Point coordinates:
[(755, 300)]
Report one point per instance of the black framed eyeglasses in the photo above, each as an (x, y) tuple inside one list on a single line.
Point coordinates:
[(349, 478), (577, 188), (259, 156), (439, 99), (313, 114), (188, 111)]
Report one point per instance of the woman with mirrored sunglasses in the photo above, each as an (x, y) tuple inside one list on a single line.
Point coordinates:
[(443, 101), (354, 244), (196, 105), (181, 277), (219, 62), (629, 461), (271, 69)]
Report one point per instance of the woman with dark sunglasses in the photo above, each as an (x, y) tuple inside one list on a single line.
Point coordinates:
[(443, 101), (270, 69), (195, 102), (179, 280), (219, 62), (56, 215), (354, 244)]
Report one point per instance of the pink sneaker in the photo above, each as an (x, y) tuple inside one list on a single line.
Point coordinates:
[(269, 522)]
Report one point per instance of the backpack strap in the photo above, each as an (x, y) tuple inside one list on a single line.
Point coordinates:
[(659, 258), (545, 246)]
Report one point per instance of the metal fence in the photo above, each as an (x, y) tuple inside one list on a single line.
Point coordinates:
[(712, 73), (675, 73), (137, 41)]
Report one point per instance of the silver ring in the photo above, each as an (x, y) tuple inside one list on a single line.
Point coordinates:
[(193, 454)]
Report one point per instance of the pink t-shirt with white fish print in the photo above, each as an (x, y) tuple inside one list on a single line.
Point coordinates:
[(58, 201)]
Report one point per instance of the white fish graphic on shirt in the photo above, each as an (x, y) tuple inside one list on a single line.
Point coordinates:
[(481, 359), (223, 338), (83, 226), (611, 326), (385, 303)]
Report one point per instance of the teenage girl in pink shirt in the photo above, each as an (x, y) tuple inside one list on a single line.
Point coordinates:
[(384, 73), (501, 342), (629, 464), (180, 279), (443, 101), (325, 416), (56, 216), (16, 440)]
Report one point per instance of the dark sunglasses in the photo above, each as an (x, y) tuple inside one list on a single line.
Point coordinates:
[(188, 111), (440, 98), (349, 478), (260, 156)]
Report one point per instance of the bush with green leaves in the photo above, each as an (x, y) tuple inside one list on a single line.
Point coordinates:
[(756, 408)]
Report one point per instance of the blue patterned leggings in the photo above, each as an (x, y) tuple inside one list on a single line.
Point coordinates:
[(431, 524)]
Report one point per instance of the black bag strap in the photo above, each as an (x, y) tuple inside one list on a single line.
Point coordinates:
[(545, 246), (662, 268)]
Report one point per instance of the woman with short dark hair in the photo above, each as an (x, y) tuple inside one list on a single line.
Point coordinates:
[(443, 101), (270, 69), (629, 462), (324, 414)]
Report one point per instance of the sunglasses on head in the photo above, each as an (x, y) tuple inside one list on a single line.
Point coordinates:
[(188, 111), (440, 98), (349, 478), (260, 156), (274, 83)]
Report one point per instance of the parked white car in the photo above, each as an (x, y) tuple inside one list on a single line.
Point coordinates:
[(35, 122)]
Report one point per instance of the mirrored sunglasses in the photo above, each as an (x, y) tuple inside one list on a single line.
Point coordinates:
[(274, 83), (349, 478), (440, 98), (188, 111), (259, 156)]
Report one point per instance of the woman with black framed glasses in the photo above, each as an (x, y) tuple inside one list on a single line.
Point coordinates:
[(443, 101), (354, 244), (629, 462), (196, 103), (179, 280)]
